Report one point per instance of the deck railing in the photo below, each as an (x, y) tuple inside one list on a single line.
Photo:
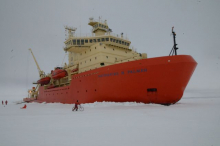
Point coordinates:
[(89, 35)]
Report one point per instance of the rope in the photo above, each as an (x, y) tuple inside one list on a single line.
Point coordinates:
[(27, 69), (63, 59)]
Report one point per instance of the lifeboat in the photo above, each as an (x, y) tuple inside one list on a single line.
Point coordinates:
[(74, 70), (58, 73), (44, 81)]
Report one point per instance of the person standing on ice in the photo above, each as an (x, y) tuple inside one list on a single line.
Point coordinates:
[(24, 107), (6, 102), (76, 106), (2, 102)]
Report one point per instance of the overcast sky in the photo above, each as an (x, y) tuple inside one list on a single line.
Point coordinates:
[(147, 23)]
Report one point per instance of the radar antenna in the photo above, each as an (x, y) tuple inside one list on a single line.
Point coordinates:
[(91, 18), (71, 31), (174, 49)]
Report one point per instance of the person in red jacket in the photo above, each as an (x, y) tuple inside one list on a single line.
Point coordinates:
[(24, 107), (76, 106), (6, 102)]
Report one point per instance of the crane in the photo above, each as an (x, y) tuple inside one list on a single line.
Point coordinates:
[(41, 73)]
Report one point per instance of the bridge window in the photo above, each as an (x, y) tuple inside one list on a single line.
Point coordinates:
[(82, 42), (122, 42), (94, 40), (107, 39), (86, 41), (90, 40), (103, 39), (102, 64), (78, 42), (111, 39), (74, 42), (98, 40), (125, 43), (119, 42)]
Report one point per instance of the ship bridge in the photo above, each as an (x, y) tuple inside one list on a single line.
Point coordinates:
[(101, 34), (80, 44)]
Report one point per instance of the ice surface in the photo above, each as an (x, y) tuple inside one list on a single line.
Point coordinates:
[(193, 121)]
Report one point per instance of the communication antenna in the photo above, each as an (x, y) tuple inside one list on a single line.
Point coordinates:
[(91, 19), (100, 18)]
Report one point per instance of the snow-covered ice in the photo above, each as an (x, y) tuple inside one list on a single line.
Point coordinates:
[(193, 121)]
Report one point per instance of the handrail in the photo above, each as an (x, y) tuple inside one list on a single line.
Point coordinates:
[(98, 20), (78, 36)]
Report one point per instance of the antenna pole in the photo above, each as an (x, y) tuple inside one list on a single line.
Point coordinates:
[(174, 49)]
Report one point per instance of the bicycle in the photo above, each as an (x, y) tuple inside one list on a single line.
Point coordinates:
[(79, 108)]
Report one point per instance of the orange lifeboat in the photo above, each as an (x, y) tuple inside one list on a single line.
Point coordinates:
[(74, 70), (58, 73), (44, 81)]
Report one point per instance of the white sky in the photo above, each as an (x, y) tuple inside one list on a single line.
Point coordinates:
[(147, 23)]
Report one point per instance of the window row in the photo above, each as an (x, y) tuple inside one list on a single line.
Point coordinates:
[(119, 41), (83, 41), (100, 25)]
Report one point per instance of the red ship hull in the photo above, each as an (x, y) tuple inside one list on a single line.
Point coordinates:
[(44, 81), (159, 80), (50, 87)]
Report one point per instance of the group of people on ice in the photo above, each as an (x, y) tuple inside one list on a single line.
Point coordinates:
[(76, 107), (6, 102)]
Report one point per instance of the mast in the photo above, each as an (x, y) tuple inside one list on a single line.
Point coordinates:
[(41, 73), (71, 31), (173, 51)]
